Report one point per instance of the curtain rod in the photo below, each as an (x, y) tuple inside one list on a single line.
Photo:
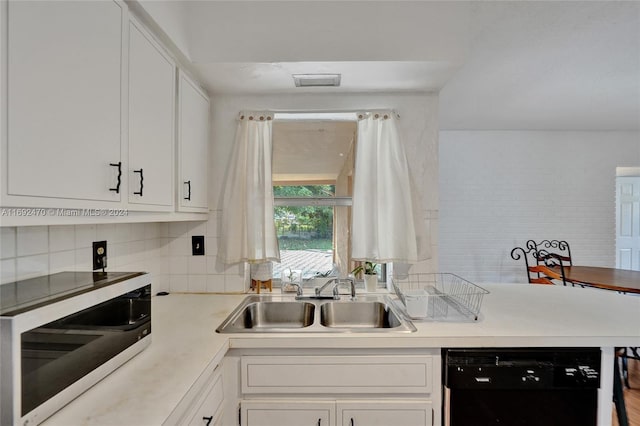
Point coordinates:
[(332, 111)]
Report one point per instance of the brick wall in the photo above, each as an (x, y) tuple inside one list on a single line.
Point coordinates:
[(501, 188)]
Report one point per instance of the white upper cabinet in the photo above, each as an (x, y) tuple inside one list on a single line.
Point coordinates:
[(152, 79), (193, 141), (64, 106), (93, 117)]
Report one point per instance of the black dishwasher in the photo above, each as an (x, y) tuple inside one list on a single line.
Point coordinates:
[(521, 386)]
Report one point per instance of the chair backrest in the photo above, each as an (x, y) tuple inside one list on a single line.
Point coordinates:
[(546, 265), (559, 249)]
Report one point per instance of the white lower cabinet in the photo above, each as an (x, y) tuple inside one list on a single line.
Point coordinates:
[(283, 413), (208, 413), (409, 374), (384, 413), (340, 413), (334, 387), (202, 405)]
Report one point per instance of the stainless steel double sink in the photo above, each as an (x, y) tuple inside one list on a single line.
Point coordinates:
[(281, 314)]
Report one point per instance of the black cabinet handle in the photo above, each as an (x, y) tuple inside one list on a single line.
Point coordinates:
[(352, 422), (141, 182), (119, 166), (207, 420), (188, 183), (319, 422)]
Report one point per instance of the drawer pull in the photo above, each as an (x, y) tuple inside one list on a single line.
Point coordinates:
[(319, 422), (119, 166), (352, 422), (207, 420), (188, 183), (141, 182)]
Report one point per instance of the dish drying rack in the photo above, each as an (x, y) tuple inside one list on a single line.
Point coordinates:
[(439, 297)]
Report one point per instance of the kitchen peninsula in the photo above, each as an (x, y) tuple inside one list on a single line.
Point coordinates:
[(185, 347)]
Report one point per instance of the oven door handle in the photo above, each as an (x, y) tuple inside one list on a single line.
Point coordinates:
[(447, 406)]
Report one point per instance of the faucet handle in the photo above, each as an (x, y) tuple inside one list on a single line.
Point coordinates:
[(336, 294)]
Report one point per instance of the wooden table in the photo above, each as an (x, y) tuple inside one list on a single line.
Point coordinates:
[(621, 280)]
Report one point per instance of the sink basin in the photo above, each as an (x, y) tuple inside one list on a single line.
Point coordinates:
[(273, 316), (282, 314), (358, 315)]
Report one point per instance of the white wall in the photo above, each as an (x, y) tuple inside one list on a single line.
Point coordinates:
[(500, 188), (32, 251), (418, 126), (164, 249), (199, 274)]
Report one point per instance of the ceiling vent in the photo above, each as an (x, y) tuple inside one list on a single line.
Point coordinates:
[(316, 80)]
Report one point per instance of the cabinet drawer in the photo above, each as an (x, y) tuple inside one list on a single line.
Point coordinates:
[(202, 405), (385, 413), (277, 413), (205, 414), (337, 374)]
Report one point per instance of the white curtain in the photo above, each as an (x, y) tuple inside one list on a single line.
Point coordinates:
[(383, 226), (248, 229)]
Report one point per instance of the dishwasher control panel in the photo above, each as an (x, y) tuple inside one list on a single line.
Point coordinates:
[(522, 368)]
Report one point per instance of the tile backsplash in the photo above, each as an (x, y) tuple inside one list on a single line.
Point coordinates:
[(164, 249)]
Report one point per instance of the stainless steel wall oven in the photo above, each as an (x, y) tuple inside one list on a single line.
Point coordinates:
[(63, 333)]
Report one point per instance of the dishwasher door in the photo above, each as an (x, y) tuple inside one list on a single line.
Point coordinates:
[(521, 386)]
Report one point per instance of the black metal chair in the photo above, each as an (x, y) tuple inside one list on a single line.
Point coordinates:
[(546, 267), (625, 355), (618, 395)]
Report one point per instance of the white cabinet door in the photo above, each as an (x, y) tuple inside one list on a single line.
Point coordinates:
[(385, 413), (151, 122), (208, 413), (279, 413), (365, 374), (193, 141), (64, 100)]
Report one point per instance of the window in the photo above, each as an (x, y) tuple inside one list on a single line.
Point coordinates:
[(312, 171), (305, 232)]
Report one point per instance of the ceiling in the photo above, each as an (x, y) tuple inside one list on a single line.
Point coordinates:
[(321, 149), (565, 65)]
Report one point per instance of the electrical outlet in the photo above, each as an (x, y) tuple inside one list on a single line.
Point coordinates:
[(99, 255), (197, 245)]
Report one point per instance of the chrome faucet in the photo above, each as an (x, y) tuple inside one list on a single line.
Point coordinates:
[(298, 289), (325, 285), (336, 284), (352, 285)]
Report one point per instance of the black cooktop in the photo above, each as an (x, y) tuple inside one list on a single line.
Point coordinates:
[(26, 295)]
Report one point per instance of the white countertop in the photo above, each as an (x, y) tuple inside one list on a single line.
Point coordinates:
[(146, 389)]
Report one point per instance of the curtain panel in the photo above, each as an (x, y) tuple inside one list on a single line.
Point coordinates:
[(248, 231), (384, 229)]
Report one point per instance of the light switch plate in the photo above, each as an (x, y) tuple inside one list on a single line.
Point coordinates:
[(197, 245)]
